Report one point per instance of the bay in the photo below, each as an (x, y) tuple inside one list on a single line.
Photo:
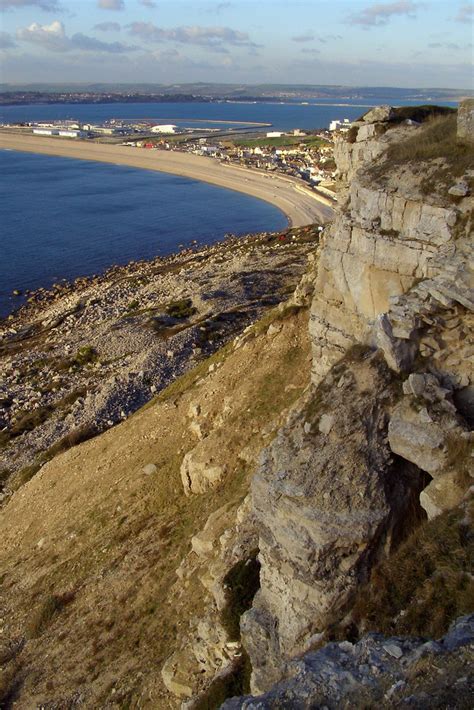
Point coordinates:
[(61, 218)]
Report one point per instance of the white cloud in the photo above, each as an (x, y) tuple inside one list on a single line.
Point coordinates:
[(449, 45), (148, 3), (50, 36), (310, 37), (53, 37), (381, 13), (111, 4), (210, 37), (47, 5)]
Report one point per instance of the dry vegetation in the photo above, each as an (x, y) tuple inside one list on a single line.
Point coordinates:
[(436, 140), (425, 585), (89, 547)]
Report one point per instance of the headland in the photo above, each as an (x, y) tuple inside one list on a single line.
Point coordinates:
[(300, 205)]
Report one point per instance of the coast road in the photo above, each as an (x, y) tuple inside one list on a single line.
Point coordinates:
[(299, 204)]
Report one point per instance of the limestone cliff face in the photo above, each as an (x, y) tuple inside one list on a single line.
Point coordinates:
[(327, 497), (386, 237), (393, 275)]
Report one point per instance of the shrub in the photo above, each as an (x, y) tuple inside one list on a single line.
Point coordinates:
[(181, 309), (85, 355), (27, 421)]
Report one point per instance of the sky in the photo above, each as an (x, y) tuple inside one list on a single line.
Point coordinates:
[(402, 43)]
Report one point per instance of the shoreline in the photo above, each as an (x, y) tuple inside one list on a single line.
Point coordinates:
[(300, 206), (82, 357)]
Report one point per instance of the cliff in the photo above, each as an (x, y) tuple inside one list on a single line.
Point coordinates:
[(387, 421), (306, 484)]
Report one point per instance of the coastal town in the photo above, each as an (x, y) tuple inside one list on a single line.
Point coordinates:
[(303, 155)]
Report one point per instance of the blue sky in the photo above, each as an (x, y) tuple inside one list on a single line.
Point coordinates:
[(351, 42)]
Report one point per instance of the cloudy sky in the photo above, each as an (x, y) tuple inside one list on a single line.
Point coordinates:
[(353, 42)]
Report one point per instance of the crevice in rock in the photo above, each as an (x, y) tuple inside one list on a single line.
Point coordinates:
[(411, 480), (241, 583)]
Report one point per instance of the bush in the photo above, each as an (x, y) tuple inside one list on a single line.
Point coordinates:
[(27, 421), (181, 309)]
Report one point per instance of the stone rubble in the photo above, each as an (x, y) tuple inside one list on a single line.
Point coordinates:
[(375, 672), (134, 347)]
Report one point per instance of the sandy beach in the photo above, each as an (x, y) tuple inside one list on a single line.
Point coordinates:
[(301, 206)]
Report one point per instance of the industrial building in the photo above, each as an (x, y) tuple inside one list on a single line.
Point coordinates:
[(168, 128)]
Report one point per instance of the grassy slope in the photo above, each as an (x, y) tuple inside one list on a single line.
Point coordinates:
[(89, 547)]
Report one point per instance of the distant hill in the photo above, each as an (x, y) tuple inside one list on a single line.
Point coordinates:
[(237, 91)]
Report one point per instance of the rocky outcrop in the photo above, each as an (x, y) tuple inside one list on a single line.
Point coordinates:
[(327, 497), (466, 120), (376, 672), (386, 238), (393, 273), (425, 428)]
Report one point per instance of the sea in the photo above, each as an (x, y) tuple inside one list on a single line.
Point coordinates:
[(62, 218)]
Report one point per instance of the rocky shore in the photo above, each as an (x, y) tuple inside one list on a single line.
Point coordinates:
[(83, 356)]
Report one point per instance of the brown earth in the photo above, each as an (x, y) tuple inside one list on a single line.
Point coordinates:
[(90, 603)]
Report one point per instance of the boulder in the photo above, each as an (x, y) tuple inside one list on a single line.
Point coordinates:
[(460, 189), (375, 672), (382, 113), (465, 130), (199, 471)]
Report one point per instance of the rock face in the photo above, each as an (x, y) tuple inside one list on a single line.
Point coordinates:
[(386, 238), (426, 429), (394, 272), (376, 672), (466, 120), (327, 497)]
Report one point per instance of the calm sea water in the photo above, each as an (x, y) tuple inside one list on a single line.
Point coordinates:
[(62, 218), (286, 116)]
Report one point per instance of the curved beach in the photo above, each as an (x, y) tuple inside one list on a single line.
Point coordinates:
[(301, 206)]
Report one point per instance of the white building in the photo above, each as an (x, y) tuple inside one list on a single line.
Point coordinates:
[(274, 134), (46, 131), (340, 125), (165, 128), (71, 134)]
